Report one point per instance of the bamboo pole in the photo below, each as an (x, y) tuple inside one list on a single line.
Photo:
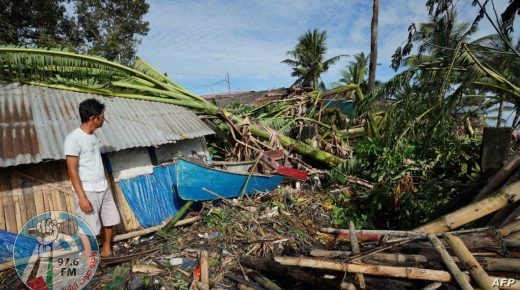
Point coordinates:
[(507, 195), (512, 243), (376, 270), (450, 264), (474, 268), (153, 229), (282, 272), (355, 249), (500, 177), (264, 281), (510, 228), (488, 263)]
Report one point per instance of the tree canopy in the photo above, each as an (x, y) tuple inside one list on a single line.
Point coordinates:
[(111, 29), (308, 58)]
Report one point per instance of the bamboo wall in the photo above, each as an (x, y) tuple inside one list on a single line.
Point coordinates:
[(28, 190)]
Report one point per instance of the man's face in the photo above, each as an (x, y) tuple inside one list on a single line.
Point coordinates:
[(99, 120)]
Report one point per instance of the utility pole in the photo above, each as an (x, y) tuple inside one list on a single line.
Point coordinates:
[(228, 83)]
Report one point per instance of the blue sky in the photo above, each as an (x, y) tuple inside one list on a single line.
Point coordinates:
[(198, 42)]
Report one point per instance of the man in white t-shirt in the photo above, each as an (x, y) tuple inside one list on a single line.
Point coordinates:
[(94, 202)]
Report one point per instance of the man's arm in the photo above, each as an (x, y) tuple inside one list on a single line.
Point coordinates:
[(72, 167)]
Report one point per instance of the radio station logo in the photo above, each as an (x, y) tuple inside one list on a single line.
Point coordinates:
[(56, 250)]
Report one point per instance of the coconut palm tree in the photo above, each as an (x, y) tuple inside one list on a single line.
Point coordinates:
[(356, 71), (495, 53), (308, 59)]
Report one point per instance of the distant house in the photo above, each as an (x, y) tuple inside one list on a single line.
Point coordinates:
[(247, 97), (139, 141)]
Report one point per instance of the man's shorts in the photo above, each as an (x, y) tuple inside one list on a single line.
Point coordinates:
[(105, 212)]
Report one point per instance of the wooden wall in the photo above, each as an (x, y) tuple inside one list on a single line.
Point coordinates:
[(28, 190)]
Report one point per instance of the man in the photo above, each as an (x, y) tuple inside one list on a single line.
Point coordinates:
[(94, 202)]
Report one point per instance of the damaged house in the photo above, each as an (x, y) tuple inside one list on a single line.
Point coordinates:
[(139, 142)]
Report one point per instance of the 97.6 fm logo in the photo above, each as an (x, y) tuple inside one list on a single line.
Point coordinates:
[(56, 250)]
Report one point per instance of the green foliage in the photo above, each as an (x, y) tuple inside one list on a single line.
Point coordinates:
[(308, 59), (221, 220), (111, 29), (118, 280), (412, 182)]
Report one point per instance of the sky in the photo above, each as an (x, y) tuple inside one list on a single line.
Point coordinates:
[(197, 43)]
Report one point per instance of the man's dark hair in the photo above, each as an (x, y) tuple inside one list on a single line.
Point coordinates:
[(89, 108)]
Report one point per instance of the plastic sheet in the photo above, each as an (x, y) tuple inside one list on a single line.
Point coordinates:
[(24, 246), (151, 197)]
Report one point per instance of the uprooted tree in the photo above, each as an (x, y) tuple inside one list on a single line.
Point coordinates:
[(82, 73)]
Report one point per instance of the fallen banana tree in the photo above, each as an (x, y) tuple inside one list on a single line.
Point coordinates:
[(89, 74)]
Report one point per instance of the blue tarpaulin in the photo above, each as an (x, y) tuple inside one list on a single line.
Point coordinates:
[(24, 246), (151, 196)]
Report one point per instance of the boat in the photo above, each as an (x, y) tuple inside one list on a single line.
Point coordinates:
[(198, 181)]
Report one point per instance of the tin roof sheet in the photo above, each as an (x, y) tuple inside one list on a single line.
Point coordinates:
[(34, 122)]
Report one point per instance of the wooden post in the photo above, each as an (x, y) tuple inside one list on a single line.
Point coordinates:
[(450, 264), (471, 263), (204, 271), (355, 249)]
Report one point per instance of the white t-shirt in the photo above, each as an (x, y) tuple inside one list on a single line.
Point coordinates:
[(86, 147)]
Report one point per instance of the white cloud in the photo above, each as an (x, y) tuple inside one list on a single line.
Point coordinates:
[(198, 42)]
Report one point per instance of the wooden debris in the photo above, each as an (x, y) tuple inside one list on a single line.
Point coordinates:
[(264, 281), (474, 211), (204, 271), (154, 229), (450, 264), (147, 269), (376, 270), (355, 249), (471, 263)]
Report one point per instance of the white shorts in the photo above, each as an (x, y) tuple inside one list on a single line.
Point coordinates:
[(105, 212)]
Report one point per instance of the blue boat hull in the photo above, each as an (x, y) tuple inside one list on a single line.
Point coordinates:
[(198, 182)]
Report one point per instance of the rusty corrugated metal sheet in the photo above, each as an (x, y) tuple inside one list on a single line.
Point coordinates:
[(35, 120)]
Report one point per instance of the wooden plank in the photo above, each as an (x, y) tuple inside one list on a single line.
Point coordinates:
[(8, 204), (16, 193), (2, 214), (129, 221), (38, 199), (28, 194), (70, 204)]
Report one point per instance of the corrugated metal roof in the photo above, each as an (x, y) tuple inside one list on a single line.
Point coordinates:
[(35, 120)]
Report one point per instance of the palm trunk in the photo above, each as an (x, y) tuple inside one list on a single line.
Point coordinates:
[(373, 47), (500, 113)]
